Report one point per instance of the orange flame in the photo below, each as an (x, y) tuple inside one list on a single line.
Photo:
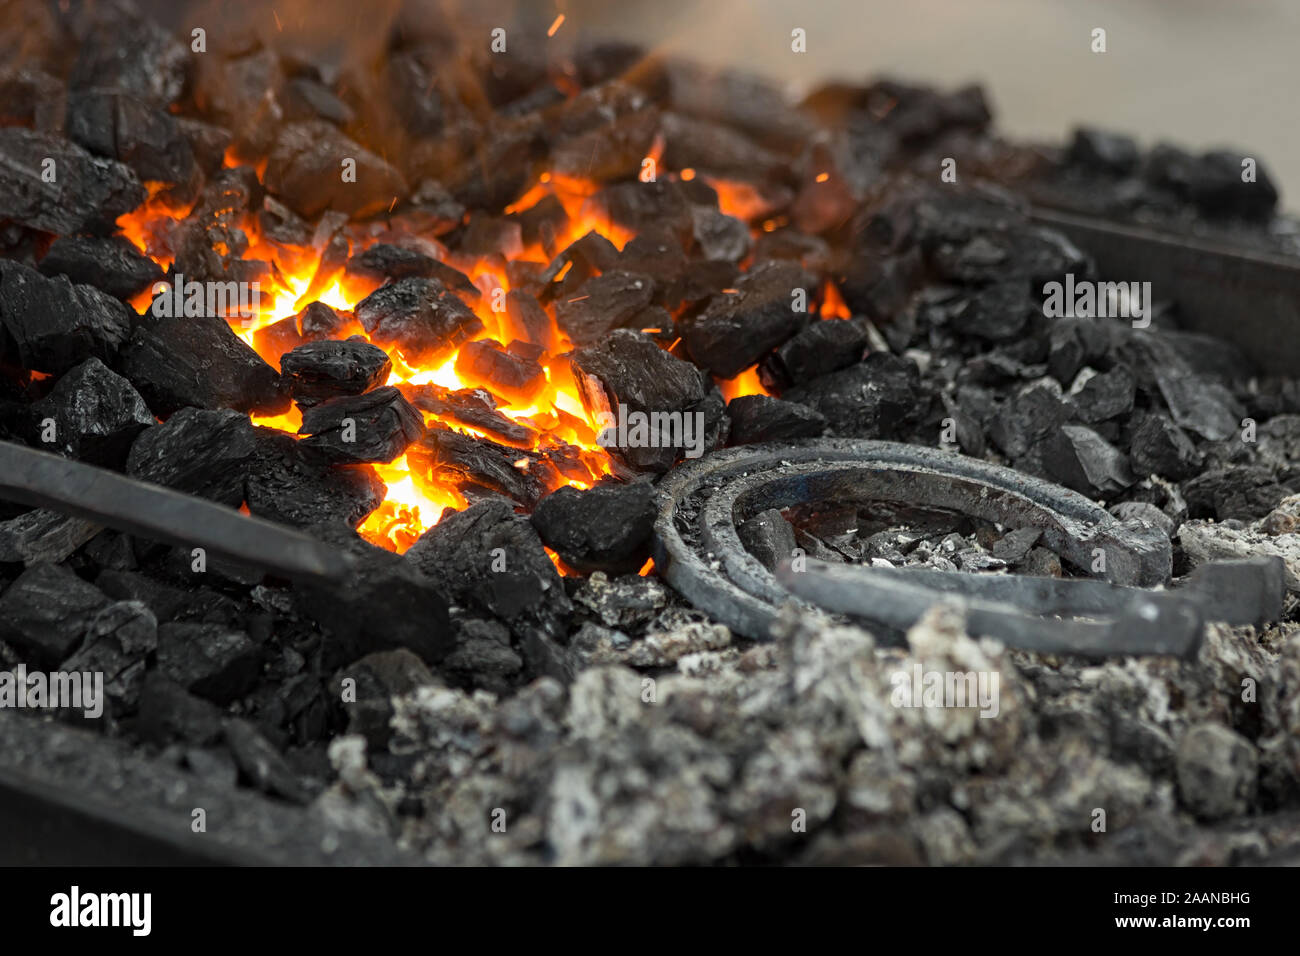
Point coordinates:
[(412, 503)]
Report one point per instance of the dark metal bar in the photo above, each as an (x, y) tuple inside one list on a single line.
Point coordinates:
[(1249, 298), (43, 480)]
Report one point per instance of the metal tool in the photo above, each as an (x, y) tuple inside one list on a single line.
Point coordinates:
[(698, 551), (1021, 610), (44, 480), (1246, 297)]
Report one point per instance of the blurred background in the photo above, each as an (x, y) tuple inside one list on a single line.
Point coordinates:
[(1200, 73)]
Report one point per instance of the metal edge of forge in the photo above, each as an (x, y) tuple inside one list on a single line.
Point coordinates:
[(69, 797), (717, 574)]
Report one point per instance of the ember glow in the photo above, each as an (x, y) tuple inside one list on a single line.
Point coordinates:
[(414, 503)]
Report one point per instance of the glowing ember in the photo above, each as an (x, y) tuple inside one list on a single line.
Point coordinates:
[(413, 503)]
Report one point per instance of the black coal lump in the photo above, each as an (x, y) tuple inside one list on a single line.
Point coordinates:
[(119, 126), (1244, 492), (52, 325), (261, 764), (111, 264), (96, 414), (374, 427), (199, 361), (45, 613), (1159, 447), (601, 304), (758, 418), (444, 455), (736, 329), (316, 371), (490, 559), (200, 452), (820, 348), (377, 679), (1080, 459), (168, 713), (420, 317), (1099, 397), (290, 483), (605, 528), (1107, 152), (87, 195), (877, 398), (215, 662), (118, 642), (768, 537), (629, 369)]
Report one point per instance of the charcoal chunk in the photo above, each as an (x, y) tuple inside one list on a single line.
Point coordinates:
[(375, 427), (387, 604), (643, 207), (484, 658), (388, 261), (51, 325), (199, 362), (214, 662), (45, 613), (125, 50), (110, 264), (304, 171), (315, 322), (1107, 152), (1028, 417), (1195, 403), (1213, 182), (737, 329), (168, 712), (628, 373), (306, 99), (768, 537), (200, 452), (517, 583), (1244, 492), (876, 398), (475, 407), (418, 317), (718, 236), (118, 641), (42, 535), (443, 456), (378, 678), (317, 371), (606, 528), (526, 321), (757, 418), (261, 764), (515, 377), (995, 313), (289, 483), (1015, 545), (88, 193), (119, 126), (1159, 447), (96, 414), (601, 304), (878, 287), (1101, 397), (1080, 459), (819, 349)]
